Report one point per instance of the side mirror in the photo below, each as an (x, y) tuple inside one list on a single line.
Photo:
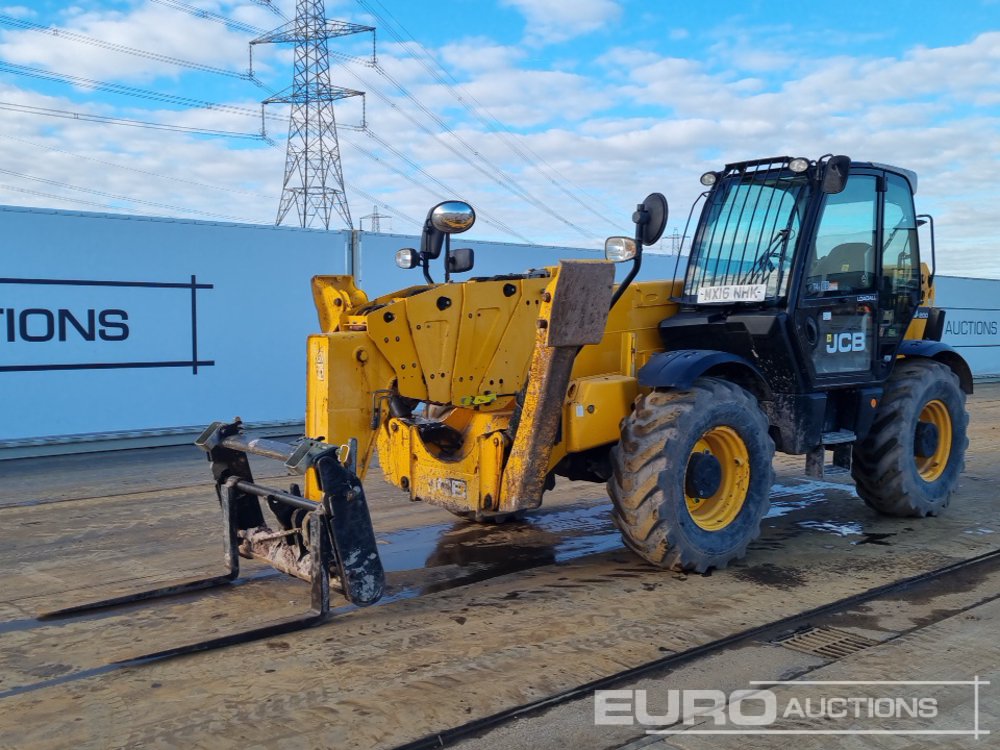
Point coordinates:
[(431, 242), (650, 218), (452, 217), (461, 260), (620, 249), (445, 219), (835, 174)]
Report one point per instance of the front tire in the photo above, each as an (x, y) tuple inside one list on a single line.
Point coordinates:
[(909, 463), (692, 475)]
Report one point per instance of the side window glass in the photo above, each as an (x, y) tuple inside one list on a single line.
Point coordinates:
[(901, 275), (842, 260)]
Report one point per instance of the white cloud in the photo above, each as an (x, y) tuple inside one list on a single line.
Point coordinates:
[(152, 28), (18, 11), (615, 127), (479, 54), (551, 21)]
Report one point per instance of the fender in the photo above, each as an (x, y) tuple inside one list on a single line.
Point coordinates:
[(680, 368), (939, 352)]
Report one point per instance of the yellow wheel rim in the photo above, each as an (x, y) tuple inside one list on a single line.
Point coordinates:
[(718, 511), (933, 466)]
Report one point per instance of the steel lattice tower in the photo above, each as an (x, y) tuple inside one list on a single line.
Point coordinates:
[(314, 178)]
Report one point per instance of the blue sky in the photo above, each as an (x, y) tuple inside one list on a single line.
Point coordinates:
[(570, 110)]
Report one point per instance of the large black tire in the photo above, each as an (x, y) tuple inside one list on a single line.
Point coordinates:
[(651, 466), (890, 475)]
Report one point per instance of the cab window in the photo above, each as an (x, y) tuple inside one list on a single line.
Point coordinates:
[(842, 258)]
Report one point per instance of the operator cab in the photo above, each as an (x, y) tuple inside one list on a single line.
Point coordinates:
[(808, 269)]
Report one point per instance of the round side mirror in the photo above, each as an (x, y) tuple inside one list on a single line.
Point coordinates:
[(453, 217), (656, 211)]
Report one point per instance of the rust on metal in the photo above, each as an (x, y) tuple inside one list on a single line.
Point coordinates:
[(574, 316)]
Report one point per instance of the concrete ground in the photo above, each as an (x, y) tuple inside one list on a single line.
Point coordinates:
[(477, 620)]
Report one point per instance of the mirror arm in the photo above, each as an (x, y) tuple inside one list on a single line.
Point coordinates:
[(633, 272), (643, 217), (447, 258), (425, 264)]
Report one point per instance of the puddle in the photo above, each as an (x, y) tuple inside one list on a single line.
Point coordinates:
[(843, 528), (545, 538), (811, 489), (781, 508)]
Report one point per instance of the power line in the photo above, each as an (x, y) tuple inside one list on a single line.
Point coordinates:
[(381, 204), (447, 191), (250, 28), (20, 23), (122, 89), (272, 7), (114, 196), (159, 96), (476, 109), (499, 175), (87, 117), (136, 170), (81, 201), (209, 15), (284, 34), (508, 184)]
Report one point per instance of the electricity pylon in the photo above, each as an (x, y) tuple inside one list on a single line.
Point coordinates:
[(314, 178)]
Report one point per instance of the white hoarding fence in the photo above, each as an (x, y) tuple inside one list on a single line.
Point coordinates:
[(118, 326)]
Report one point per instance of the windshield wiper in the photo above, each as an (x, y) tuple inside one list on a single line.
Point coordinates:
[(762, 264)]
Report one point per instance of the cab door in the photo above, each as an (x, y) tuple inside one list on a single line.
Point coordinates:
[(899, 288), (835, 320)]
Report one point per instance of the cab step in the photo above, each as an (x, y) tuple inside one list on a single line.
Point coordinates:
[(839, 442)]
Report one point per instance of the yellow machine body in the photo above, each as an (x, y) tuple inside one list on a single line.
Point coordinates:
[(464, 351)]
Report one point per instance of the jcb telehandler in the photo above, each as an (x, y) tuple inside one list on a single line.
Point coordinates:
[(804, 322)]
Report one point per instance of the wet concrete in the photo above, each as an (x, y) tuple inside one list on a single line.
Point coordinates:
[(477, 617)]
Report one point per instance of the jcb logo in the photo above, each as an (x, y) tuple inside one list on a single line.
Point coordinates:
[(845, 342)]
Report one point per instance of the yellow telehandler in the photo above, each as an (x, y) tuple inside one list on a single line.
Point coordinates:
[(804, 322)]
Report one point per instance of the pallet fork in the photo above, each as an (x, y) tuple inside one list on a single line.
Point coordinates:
[(331, 539)]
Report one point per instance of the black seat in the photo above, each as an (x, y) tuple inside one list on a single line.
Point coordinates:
[(847, 265)]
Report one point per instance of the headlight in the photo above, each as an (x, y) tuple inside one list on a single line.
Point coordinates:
[(709, 178), (407, 257), (798, 164), (618, 249)]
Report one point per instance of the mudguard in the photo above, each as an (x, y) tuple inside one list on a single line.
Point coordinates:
[(680, 368), (942, 353)]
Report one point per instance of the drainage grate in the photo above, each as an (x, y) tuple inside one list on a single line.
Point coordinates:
[(829, 643)]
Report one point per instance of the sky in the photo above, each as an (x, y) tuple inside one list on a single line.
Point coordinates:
[(552, 117)]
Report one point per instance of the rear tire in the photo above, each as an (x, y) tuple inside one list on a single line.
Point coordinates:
[(653, 477), (891, 477)]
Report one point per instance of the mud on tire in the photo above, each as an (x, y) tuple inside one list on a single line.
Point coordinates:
[(885, 465), (650, 465)]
